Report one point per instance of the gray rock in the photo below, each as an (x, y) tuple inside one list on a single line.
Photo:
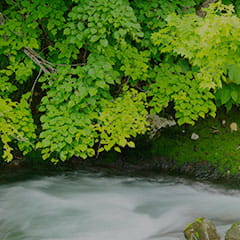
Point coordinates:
[(201, 229), (234, 232)]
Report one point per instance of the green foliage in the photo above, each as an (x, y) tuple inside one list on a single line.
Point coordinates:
[(105, 27), (77, 115), (209, 43), (151, 15), (22, 25), (228, 95), (99, 35), (217, 146), (105, 73), (71, 107), (16, 124), (174, 83), (236, 4), (121, 120)]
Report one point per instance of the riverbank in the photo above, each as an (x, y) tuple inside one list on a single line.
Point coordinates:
[(209, 150)]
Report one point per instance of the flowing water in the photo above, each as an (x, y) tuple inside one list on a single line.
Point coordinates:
[(81, 206)]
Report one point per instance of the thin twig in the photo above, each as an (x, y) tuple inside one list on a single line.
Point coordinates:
[(35, 82), (1, 19), (34, 59), (46, 66), (99, 145)]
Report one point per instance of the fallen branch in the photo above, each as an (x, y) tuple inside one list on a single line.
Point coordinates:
[(45, 66)]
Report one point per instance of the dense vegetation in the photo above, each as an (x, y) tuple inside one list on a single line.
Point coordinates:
[(84, 76)]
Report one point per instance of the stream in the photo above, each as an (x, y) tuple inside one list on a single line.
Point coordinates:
[(87, 206)]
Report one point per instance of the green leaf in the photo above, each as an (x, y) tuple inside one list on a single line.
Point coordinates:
[(234, 73), (131, 144), (101, 84), (225, 95), (92, 91), (104, 42), (234, 95), (228, 105), (33, 43), (68, 139), (117, 149), (67, 31), (122, 142)]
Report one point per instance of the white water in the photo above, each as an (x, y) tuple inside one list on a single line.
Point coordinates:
[(81, 206)]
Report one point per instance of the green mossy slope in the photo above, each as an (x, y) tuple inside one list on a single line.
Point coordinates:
[(217, 144)]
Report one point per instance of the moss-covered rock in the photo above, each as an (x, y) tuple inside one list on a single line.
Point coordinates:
[(201, 229), (234, 232)]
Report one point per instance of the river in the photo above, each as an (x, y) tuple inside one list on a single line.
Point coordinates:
[(83, 206)]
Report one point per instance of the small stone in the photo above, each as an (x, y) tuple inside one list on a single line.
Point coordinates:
[(157, 123), (233, 127), (194, 136), (201, 229), (234, 232)]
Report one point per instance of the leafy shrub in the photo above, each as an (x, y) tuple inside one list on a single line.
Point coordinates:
[(99, 73), (16, 124), (71, 106), (121, 120), (173, 83), (210, 43), (152, 16)]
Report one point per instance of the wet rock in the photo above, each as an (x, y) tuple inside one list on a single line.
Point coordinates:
[(234, 232), (201, 229)]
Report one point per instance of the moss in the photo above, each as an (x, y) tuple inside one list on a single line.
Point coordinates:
[(197, 235), (216, 145), (199, 220)]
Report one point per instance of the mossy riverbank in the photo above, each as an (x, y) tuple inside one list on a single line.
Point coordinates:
[(214, 155), (217, 143)]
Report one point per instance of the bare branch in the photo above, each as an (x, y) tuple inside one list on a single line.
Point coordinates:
[(45, 66), (34, 84)]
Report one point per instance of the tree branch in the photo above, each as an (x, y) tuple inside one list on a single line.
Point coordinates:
[(45, 66)]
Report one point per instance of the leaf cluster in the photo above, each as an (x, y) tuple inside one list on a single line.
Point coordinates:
[(16, 125), (174, 84), (122, 119), (210, 43)]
